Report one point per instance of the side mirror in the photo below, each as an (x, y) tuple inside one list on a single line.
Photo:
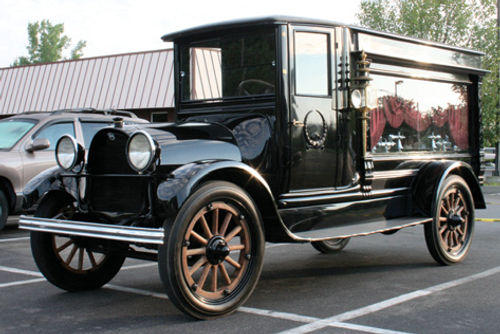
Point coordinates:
[(38, 144)]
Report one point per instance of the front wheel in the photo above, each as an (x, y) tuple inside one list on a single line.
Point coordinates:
[(449, 235), (214, 252), (72, 263)]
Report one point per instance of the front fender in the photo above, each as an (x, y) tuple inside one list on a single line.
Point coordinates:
[(46, 181), (431, 177), (186, 179)]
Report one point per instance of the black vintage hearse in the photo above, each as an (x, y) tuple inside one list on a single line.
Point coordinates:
[(289, 130)]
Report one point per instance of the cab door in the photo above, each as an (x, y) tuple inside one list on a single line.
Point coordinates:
[(313, 114)]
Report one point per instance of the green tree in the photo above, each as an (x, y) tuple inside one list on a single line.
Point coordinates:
[(46, 43), (465, 23)]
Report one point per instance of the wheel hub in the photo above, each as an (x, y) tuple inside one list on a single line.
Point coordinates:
[(454, 220), (217, 250)]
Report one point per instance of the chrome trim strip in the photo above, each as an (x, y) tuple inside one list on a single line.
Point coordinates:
[(361, 234), (389, 192), (93, 230), (398, 157), (318, 192), (390, 174), (373, 195)]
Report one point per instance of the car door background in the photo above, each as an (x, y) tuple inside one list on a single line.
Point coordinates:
[(38, 161)]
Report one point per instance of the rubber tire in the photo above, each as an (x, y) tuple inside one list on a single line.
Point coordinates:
[(439, 254), (327, 247), (169, 255), (50, 264), (4, 210)]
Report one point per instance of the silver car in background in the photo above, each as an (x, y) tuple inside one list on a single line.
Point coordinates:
[(27, 143)]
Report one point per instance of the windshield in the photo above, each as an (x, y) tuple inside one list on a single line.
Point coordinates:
[(11, 131), (229, 66)]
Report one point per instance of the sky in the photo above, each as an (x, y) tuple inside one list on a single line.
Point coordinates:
[(121, 26)]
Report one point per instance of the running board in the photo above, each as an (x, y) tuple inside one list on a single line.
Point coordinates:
[(130, 234), (361, 229)]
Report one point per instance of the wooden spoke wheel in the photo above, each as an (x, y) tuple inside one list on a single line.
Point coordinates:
[(216, 250), (72, 263), (330, 246), (75, 256), (449, 235), (213, 256)]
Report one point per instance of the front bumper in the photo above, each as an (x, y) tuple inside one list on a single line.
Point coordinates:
[(142, 235)]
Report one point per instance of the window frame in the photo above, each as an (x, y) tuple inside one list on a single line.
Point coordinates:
[(329, 54), (181, 47), (424, 75)]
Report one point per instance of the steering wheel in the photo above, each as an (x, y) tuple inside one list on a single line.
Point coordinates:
[(266, 86)]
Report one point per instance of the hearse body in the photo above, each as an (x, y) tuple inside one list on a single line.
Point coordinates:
[(289, 130)]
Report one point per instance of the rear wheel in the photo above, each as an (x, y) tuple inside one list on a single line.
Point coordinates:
[(330, 246), (213, 256), (4, 209), (72, 263), (449, 235)]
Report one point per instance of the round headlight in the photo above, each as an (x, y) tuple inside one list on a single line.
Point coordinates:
[(141, 151), (68, 152), (356, 98)]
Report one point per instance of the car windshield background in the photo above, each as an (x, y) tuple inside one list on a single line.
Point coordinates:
[(229, 66), (89, 129), (11, 131)]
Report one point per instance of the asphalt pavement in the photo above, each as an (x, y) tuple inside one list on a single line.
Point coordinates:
[(377, 284)]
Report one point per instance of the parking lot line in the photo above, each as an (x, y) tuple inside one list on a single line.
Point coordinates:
[(488, 220), (262, 312), (277, 314), (21, 271), (28, 281), (389, 302), (362, 328), (311, 323), (307, 319), (135, 291), (139, 266), (14, 239)]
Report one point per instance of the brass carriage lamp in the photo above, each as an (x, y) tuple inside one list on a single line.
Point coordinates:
[(363, 94)]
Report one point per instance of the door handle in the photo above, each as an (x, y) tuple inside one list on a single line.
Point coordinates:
[(298, 123)]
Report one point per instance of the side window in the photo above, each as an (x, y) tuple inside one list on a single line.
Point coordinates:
[(311, 64), (89, 129), (419, 115), (55, 131)]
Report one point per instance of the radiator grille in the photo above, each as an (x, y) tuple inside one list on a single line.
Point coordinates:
[(109, 186)]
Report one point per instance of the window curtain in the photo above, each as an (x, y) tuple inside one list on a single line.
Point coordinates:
[(377, 125), (395, 111), (458, 120)]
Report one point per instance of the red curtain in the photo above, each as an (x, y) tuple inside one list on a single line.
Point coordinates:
[(439, 116), (398, 110), (459, 125), (395, 111), (377, 125), (415, 119)]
